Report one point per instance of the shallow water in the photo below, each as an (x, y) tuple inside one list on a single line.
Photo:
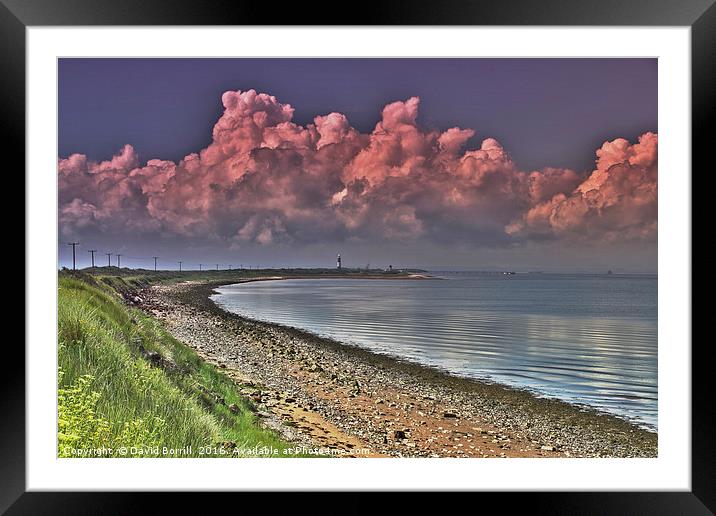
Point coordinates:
[(586, 339)]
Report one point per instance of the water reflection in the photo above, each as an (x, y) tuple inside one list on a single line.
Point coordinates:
[(586, 339)]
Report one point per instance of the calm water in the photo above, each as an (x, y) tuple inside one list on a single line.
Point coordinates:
[(587, 339)]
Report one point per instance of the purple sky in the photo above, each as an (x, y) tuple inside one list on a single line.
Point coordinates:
[(544, 112)]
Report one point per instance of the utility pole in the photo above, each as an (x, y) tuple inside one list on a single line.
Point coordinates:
[(73, 244), (179, 266), (118, 262), (155, 262), (92, 251), (109, 259)]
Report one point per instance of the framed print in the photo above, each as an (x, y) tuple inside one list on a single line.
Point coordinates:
[(423, 249)]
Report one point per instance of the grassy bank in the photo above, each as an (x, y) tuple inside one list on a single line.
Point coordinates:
[(124, 382)]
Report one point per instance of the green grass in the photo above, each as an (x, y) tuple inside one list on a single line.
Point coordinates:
[(111, 396)]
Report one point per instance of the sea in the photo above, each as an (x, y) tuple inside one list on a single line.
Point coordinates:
[(588, 339)]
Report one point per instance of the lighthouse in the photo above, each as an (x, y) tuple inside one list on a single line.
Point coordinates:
[(338, 261)]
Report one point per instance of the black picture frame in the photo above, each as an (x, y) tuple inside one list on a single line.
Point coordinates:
[(700, 15)]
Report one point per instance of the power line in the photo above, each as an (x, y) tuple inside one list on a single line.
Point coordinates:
[(132, 258), (73, 244)]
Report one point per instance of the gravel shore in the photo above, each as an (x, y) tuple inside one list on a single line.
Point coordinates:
[(319, 392)]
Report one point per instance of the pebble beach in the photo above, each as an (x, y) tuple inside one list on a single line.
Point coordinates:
[(318, 392)]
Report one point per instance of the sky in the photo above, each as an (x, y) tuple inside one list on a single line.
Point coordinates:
[(535, 164)]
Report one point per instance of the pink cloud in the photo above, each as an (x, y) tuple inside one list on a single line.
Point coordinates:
[(265, 179), (617, 201)]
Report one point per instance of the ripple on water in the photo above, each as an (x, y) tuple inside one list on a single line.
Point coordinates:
[(586, 339)]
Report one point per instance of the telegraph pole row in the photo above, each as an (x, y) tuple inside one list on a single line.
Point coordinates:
[(119, 262)]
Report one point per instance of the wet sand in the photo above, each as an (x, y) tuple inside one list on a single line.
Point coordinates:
[(319, 392)]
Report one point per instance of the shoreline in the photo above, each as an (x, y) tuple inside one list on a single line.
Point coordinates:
[(332, 393), (435, 369)]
